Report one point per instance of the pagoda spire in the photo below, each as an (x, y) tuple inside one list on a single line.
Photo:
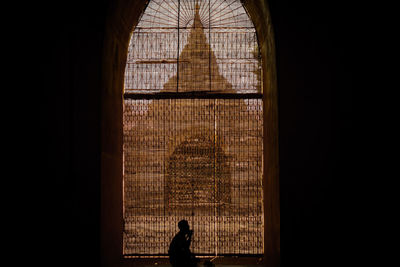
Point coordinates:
[(198, 67), (197, 21)]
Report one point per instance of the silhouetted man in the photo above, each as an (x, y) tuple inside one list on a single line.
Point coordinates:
[(179, 252)]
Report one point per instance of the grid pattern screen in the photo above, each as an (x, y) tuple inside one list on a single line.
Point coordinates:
[(193, 130), (193, 159)]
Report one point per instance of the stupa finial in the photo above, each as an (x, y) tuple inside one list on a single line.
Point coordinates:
[(197, 19)]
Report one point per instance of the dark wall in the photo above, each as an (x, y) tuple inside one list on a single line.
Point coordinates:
[(314, 55), (313, 50), (70, 38)]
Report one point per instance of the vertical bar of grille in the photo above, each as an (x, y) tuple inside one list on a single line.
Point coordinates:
[(237, 176), (177, 57), (209, 42), (216, 195)]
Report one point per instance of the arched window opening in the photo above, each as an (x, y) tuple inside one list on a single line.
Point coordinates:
[(193, 130)]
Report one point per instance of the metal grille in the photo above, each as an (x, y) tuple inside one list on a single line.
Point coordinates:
[(199, 159), (193, 133), (215, 42)]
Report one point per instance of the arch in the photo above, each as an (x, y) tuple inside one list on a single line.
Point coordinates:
[(188, 169), (118, 29)]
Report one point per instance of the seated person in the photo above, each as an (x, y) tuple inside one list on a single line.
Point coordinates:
[(179, 251)]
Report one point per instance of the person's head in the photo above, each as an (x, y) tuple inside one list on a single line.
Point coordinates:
[(183, 226)]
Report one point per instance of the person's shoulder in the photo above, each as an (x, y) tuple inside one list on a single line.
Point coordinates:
[(176, 236)]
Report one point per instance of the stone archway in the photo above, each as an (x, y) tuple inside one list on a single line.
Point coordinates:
[(123, 15)]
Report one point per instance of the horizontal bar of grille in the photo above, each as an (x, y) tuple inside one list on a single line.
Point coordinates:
[(198, 254), (192, 95), (175, 28)]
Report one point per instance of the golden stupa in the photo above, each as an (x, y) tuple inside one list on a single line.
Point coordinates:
[(198, 68)]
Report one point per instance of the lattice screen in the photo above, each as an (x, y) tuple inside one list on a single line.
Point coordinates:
[(193, 133)]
